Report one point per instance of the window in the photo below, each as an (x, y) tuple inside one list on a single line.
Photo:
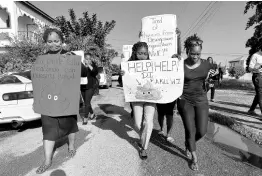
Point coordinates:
[(9, 80), (4, 18)]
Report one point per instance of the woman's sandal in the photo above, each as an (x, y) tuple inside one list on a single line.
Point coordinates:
[(142, 151), (187, 152), (161, 133), (43, 168), (85, 122), (71, 153), (194, 165), (91, 117), (170, 139)]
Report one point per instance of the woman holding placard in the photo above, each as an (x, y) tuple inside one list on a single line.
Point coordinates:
[(168, 108), (88, 90), (55, 128), (193, 104), (140, 109)]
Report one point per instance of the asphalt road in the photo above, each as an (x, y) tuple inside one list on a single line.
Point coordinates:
[(106, 146)]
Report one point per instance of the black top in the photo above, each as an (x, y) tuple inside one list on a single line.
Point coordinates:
[(91, 76), (193, 90)]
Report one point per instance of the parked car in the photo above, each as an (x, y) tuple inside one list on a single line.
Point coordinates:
[(16, 99), (105, 78), (115, 77)]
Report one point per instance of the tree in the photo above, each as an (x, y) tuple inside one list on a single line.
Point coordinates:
[(21, 54), (115, 69), (236, 72), (88, 34), (254, 43)]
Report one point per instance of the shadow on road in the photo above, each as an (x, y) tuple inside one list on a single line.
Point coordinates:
[(58, 172), (28, 125), (121, 127), (161, 142), (33, 160)]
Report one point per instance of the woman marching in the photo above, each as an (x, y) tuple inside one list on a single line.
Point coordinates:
[(140, 109), (88, 90), (193, 104), (55, 128), (168, 108)]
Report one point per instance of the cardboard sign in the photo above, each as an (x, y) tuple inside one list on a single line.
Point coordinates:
[(56, 84), (83, 80), (157, 81), (127, 52), (159, 32)]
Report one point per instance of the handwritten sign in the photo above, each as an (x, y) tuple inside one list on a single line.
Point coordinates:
[(56, 84), (127, 52), (83, 80), (159, 32), (158, 81)]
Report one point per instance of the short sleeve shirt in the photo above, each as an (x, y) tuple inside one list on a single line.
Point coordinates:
[(255, 59), (194, 79)]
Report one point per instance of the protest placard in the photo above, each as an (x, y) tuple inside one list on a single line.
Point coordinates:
[(83, 80), (56, 84), (127, 52), (157, 81), (159, 32)]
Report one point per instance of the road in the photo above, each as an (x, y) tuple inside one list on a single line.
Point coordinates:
[(106, 146)]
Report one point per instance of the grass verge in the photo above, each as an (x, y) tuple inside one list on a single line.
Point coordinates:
[(236, 126)]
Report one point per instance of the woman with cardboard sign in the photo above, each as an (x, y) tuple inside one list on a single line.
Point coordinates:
[(168, 108), (193, 104), (55, 128), (140, 109)]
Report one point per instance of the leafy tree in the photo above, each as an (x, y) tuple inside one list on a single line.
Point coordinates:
[(255, 42), (236, 72), (115, 69), (89, 34)]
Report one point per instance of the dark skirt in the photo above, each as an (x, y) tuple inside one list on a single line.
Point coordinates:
[(166, 109), (55, 128)]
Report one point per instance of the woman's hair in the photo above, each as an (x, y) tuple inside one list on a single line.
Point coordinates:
[(210, 58), (48, 31), (136, 47), (192, 41)]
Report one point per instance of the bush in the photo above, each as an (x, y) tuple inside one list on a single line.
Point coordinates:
[(236, 72)]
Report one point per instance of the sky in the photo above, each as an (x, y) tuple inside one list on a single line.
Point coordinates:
[(223, 31)]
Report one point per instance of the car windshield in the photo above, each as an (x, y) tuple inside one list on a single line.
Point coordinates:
[(26, 74), (9, 79)]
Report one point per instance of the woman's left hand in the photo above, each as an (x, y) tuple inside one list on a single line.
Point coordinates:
[(176, 56), (178, 32)]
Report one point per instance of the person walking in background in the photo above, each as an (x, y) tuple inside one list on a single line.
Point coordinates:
[(255, 66), (88, 90), (168, 108), (212, 80), (140, 109), (193, 104), (55, 128), (221, 73)]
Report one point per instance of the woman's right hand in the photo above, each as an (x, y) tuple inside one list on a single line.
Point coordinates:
[(122, 72)]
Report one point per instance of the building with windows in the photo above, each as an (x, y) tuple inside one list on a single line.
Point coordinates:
[(20, 19), (240, 61)]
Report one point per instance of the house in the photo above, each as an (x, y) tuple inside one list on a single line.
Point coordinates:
[(240, 61), (20, 19)]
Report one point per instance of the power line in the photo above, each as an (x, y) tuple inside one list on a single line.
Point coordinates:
[(199, 18), (201, 23)]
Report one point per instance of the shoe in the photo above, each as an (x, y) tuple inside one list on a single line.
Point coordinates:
[(85, 122), (92, 116), (143, 154), (170, 139), (71, 153), (194, 165), (43, 168), (212, 100), (187, 152), (252, 113), (161, 133)]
